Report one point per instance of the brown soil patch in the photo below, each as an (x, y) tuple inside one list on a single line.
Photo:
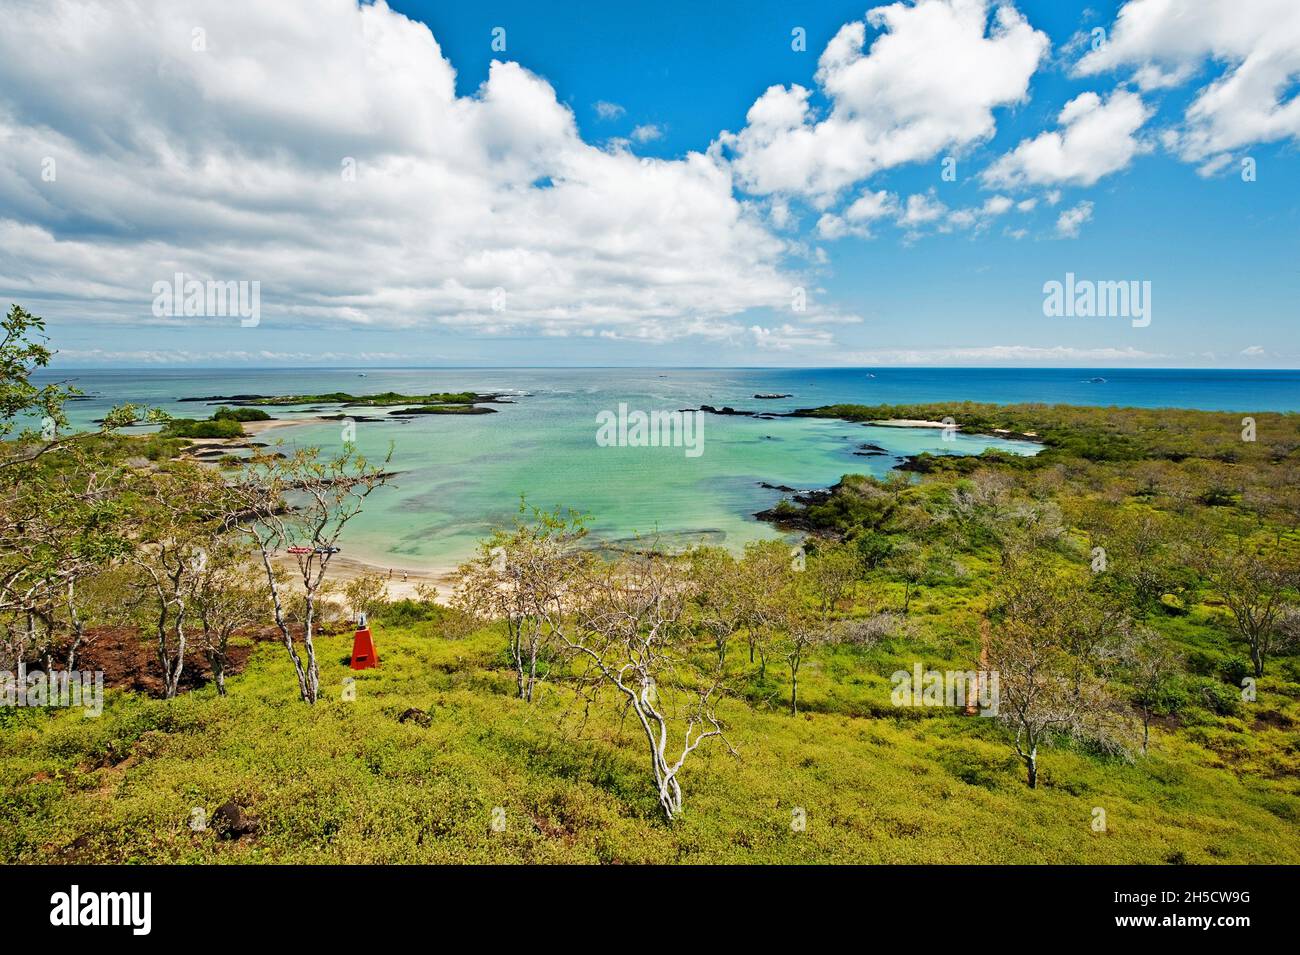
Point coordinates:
[(1272, 719), (129, 659)]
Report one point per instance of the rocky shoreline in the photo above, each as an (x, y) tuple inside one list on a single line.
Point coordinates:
[(790, 514), (401, 405), (219, 450), (346, 399)]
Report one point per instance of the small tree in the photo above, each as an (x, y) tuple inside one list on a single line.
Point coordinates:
[(632, 631), (767, 595), (1255, 589), (1139, 565), (229, 597), (22, 352), (63, 527), (1152, 667), (301, 504), (803, 636), (910, 565), (524, 577), (720, 596), (366, 594), (827, 580), (32, 418), (182, 519), (1043, 688)]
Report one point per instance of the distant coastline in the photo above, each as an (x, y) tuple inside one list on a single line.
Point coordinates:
[(462, 475)]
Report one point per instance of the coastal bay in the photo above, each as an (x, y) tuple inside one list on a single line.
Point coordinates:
[(459, 476)]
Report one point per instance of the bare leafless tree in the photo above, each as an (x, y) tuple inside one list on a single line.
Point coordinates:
[(827, 580), (300, 504), (630, 627), (1256, 589), (523, 577), (1045, 686), (229, 596)]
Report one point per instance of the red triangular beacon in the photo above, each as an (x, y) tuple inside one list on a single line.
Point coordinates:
[(363, 647)]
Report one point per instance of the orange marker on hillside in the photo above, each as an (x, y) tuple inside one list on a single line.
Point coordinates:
[(364, 655)]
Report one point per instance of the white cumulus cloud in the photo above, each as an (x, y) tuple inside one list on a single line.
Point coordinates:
[(1255, 42), (929, 81), (647, 132), (1072, 219), (320, 148), (1097, 138)]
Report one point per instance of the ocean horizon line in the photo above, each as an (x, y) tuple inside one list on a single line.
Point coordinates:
[(55, 369)]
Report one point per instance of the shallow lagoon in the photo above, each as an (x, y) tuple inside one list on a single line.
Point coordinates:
[(460, 475)]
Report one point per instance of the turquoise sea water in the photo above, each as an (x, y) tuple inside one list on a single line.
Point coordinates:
[(461, 475)]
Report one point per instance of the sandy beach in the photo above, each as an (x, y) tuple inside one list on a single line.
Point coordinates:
[(401, 585), (910, 423), (922, 423), (402, 580), (252, 428)]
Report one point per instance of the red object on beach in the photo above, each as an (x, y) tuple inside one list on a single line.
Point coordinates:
[(364, 655)]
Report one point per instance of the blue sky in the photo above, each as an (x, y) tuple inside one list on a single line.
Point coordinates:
[(243, 162)]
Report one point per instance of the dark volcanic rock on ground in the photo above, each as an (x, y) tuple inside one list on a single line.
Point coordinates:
[(795, 520), (726, 410), (416, 715), (231, 821)]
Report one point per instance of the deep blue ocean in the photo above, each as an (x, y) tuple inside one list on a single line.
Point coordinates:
[(1209, 389)]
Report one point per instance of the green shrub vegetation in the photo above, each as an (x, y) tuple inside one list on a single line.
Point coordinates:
[(383, 399), (213, 428), (1141, 574), (346, 782), (240, 414), (224, 423)]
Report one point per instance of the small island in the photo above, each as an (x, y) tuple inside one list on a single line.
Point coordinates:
[(401, 405), (216, 438), (441, 409), (384, 399)]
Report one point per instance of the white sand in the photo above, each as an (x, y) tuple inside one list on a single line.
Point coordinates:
[(252, 429), (911, 423), (344, 569), (257, 427)]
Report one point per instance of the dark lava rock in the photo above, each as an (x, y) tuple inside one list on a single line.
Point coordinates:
[(442, 409), (709, 409), (231, 821), (415, 715), (230, 398), (795, 519)]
